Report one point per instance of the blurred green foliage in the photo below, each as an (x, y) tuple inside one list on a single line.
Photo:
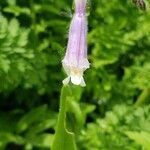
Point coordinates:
[(111, 113)]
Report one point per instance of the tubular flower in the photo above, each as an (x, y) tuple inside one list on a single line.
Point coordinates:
[(75, 61)]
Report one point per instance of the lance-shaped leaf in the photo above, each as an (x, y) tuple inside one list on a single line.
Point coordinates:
[(63, 140)]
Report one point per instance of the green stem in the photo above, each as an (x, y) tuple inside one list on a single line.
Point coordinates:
[(143, 97), (62, 109), (33, 14)]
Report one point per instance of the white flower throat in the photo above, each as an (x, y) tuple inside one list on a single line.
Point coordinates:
[(75, 75)]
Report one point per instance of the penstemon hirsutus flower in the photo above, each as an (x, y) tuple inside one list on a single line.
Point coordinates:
[(75, 61)]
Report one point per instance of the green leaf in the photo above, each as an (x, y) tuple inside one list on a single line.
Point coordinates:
[(16, 10), (6, 137), (41, 140), (33, 116), (22, 41), (11, 2), (63, 140), (47, 123), (4, 63), (142, 138), (13, 31)]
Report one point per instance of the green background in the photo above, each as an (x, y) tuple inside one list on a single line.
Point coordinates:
[(111, 112)]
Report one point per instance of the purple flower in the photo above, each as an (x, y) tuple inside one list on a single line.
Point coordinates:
[(75, 61)]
